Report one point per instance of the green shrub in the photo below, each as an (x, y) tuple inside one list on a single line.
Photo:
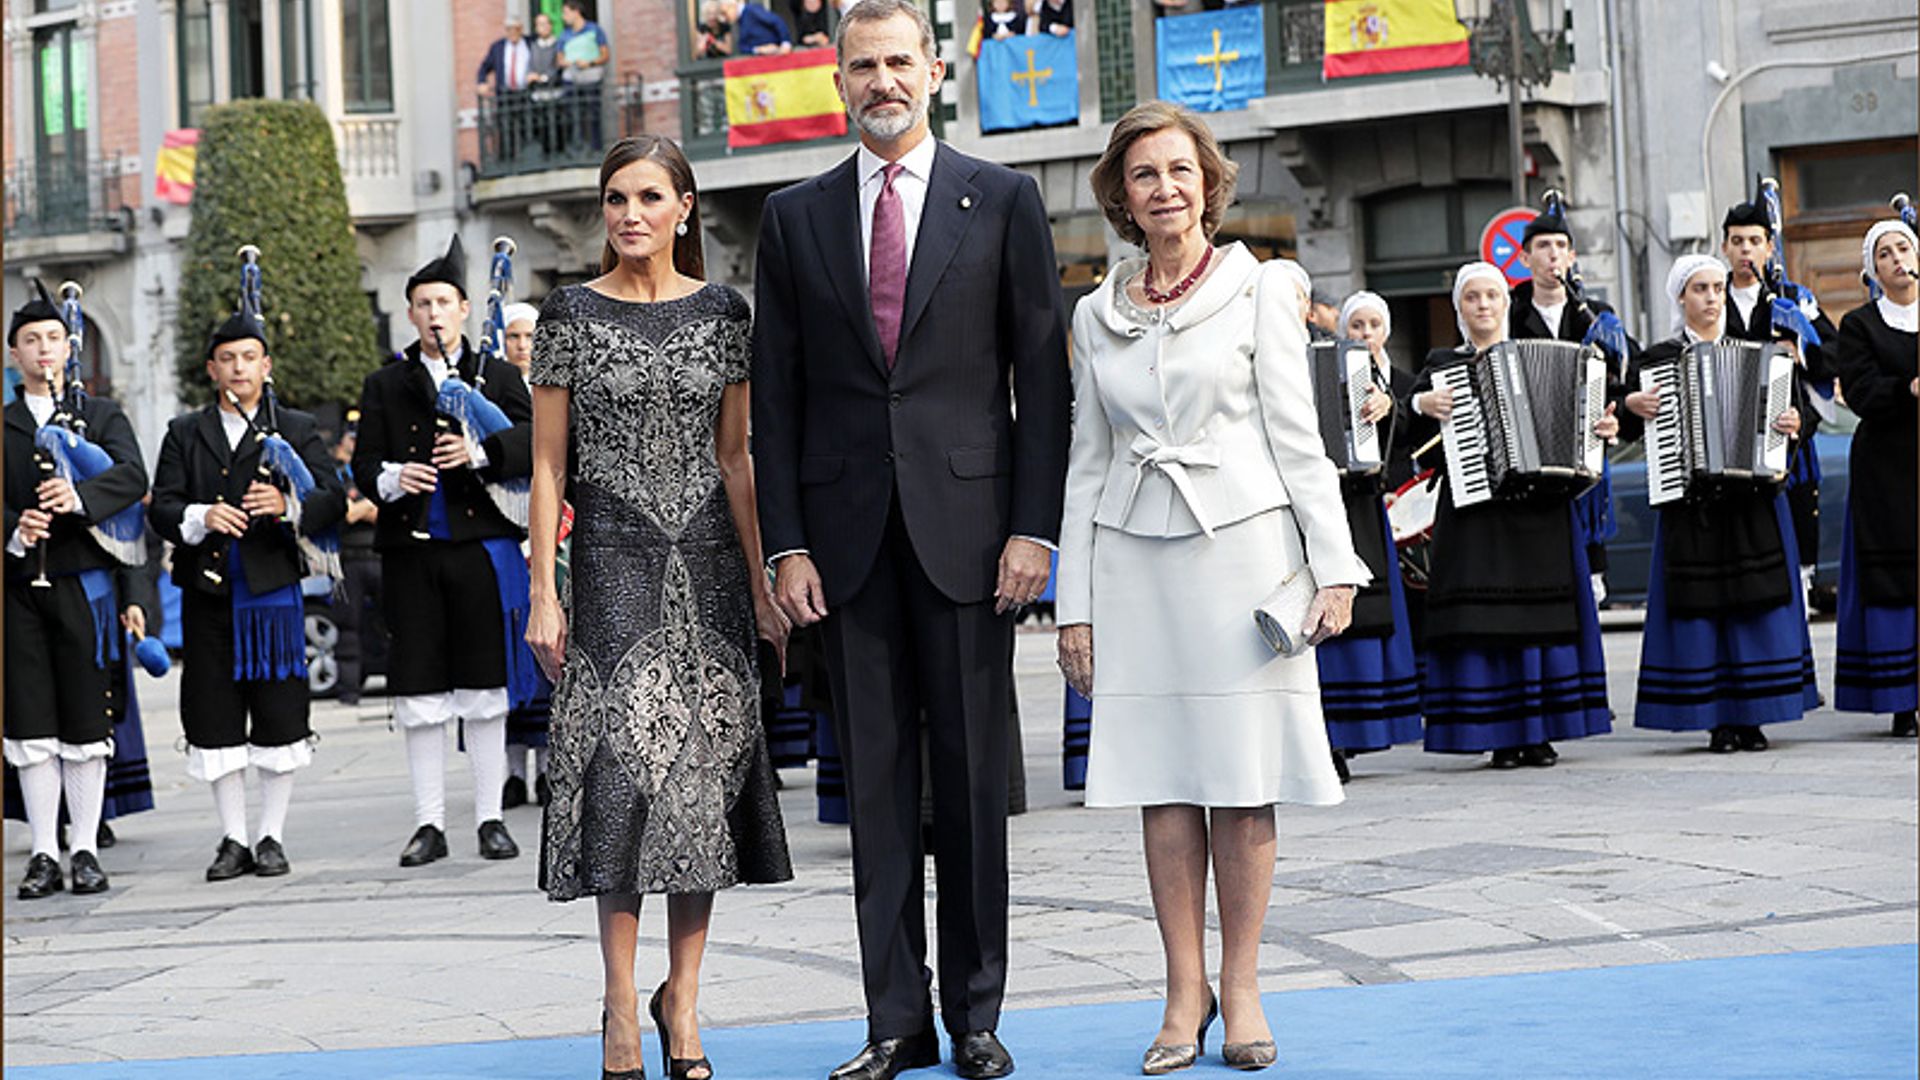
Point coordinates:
[(266, 175)]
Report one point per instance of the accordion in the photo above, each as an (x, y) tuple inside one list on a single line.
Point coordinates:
[(1342, 376), (1522, 421), (1718, 401)]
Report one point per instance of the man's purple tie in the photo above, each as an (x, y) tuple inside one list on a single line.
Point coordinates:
[(887, 265)]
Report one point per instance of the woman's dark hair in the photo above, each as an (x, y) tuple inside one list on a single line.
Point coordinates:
[(689, 254)]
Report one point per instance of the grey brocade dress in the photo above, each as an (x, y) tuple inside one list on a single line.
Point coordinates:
[(658, 768)]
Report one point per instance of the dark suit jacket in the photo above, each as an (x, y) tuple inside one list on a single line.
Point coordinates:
[(197, 466), (494, 66), (836, 435), (396, 424), (70, 549)]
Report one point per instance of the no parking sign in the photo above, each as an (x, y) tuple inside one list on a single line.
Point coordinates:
[(1500, 242)]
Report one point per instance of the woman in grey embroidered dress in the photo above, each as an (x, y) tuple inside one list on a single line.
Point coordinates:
[(658, 768)]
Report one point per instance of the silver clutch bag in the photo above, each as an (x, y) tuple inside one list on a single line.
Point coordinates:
[(1282, 616)]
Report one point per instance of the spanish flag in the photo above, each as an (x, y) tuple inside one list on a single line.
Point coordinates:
[(1376, 37), (775, 99), (173, 169)]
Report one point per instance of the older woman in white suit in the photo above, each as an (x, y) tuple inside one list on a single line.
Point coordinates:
[(1196, 467)]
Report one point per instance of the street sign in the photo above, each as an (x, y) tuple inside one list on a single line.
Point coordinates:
[(1500, 242)]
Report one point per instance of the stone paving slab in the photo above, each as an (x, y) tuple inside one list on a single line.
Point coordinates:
[(1639, 847)]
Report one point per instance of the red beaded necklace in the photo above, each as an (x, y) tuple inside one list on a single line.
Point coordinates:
[(1179, 290)]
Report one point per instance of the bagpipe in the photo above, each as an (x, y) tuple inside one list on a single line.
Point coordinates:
[(462, 408), (1604, 328), (280, 464), (1787, 301), (1910, 216), (62, 450)]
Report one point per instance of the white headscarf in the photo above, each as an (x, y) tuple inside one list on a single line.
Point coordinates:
[(1365, 301), (1683, 270), (514, 313), (1880, 229), (1300, 277), (1460, 278)]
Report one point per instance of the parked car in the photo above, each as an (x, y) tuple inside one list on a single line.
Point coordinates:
[(1630, 553), (323, 637)]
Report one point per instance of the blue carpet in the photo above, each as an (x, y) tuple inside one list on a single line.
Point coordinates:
[(1843, 1013)]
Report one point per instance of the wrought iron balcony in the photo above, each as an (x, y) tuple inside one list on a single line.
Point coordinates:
[(539, 130), (64, 198)]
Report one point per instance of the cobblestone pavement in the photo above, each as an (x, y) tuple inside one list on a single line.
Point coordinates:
[(1641, 847)]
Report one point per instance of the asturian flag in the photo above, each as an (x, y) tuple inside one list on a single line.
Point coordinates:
[(1215, 61), (1377, 37), (775, 99), (1028, 80)]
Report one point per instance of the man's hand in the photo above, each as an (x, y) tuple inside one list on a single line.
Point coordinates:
[(57, 496), (227, 519), (798, 591), (35, 526), (450, 451), (418, 479), (135, 620), (1024, 569), (264, 500), (1075, 646)]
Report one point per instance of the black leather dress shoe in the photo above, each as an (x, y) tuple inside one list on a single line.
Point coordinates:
[(87, 875), (1751, 738), (978, 1055), (231, 861), (884, 1059), (494, 841), (1723, 740), (43, 878), (1506, 759), (269, 858), (1906, 725), (104, 838), (513, 794), (428, 844)]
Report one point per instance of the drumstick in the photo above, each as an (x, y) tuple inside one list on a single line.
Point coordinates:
[(1430, 444)]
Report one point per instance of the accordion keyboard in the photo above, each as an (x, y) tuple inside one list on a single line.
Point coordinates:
[(1667, 465), (1463, 437)]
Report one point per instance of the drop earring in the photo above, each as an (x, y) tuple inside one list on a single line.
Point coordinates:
[(680, 229)]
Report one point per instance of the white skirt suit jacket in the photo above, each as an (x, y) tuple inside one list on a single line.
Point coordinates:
[(1196, 466)]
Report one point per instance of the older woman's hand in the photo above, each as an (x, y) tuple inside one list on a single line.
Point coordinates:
[(1330, 613), (1076, 657)]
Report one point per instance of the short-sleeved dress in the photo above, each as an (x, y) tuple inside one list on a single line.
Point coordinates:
[(658, 763)]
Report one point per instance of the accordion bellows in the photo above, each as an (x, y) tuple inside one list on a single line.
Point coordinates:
[(1522, 421)]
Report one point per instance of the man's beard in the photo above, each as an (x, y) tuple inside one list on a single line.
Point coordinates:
[(890, 126)]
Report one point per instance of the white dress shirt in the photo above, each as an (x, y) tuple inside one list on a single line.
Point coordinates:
[(1550, 314), (916, 168), (193, 523), (1744, 299)]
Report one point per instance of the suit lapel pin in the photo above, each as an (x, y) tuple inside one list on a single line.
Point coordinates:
[(966, 202)]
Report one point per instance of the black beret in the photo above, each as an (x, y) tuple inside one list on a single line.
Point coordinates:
[(1747, 213), (39, 309), (238, 327)]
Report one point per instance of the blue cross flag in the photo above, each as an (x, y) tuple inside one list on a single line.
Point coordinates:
[(1028, 80), (1215, 61)]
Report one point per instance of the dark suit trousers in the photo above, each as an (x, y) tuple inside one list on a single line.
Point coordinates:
[(896, 646)]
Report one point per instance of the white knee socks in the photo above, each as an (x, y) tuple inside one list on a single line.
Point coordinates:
[(276, 792), (86, 784), (427, 762), (230, 800), (40, 790), (487, 747)]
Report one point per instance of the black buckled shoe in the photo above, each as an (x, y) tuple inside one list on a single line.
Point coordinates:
[(231, 861), (513, 794), (884, 1059), (978, 1055), (494, 841), (43, 878), (428, 844), (269, 858), (87, 875)]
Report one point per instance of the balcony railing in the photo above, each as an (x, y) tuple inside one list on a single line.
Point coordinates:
[(369, 147), (56, 199), (534, 131)]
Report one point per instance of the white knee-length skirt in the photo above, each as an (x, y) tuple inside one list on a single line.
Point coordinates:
[(1190, 705)]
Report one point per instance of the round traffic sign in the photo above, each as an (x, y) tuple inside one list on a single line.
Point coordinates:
[(1500, 242)]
